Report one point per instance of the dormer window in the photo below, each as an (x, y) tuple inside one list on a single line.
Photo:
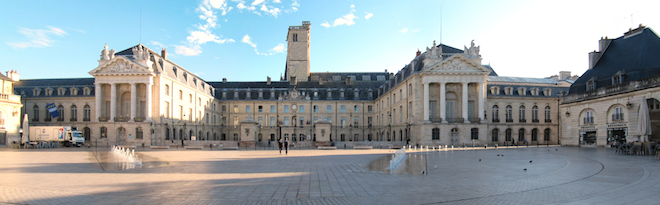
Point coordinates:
[(341, 93), (236, 94), (617, 78), (61, 91), (36, 91), (547, 92), (174, 70), (495, 90), (370, 93), (522, 91), (356, 94), (534, 91), (329, 93), (87, 91), (49, 91), (185, 76), (591, 84), (508, 91), (74, 91)]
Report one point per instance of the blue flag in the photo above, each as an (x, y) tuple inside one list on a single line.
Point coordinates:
[(53, 110)]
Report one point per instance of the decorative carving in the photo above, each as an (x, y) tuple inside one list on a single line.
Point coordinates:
[(107, 55), (140, 53), (292, 95), (472, 52), (433, 53), (121, 67)]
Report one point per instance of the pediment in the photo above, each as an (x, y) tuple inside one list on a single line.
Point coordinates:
[(457, 64), (120, 66)]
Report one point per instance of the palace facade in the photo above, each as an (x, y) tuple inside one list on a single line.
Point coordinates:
[(444, 96)]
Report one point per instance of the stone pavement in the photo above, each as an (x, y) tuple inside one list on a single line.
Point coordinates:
[(570, 175)]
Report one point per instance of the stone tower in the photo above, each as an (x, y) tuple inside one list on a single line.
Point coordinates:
[(297, 58)]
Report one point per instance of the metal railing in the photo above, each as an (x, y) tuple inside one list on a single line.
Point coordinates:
[(456, 120), (435, 119), (496, 120), (617, 117), (522, 120), (535, 120), (548, 120), (121, 119), (103, 119), (474, 120)]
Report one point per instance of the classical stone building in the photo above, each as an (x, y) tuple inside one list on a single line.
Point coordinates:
[(603, 105), (10, 106), (444, 96)]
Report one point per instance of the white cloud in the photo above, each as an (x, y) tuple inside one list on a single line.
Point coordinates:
[(218, 3), (188, 51), (352, 5), (37, 38), (345, 20), (273, 11), (277, 1), (246, 39), (156, 43), (404, 30), (295, 3), (368, 16), (241, 6), (279, 48), (257, 2), (325, 24)]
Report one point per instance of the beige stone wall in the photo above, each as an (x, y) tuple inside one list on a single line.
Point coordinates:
[(298, 54), (603, 110)]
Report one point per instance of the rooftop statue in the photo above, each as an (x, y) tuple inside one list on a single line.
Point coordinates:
[(472, 52)]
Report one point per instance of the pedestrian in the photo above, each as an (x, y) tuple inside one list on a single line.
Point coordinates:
[(279, 144), (181, 143), (286, 146)]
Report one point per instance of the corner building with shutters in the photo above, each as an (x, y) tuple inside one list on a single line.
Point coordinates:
[(444, 96)]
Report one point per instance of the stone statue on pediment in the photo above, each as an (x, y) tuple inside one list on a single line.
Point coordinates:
[(473, 51), (107, 55), (140, 53), (433, 52)]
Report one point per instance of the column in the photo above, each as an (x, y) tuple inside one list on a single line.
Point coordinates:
[(464, 102), (133, 101), (426, 102), (442, 104), (99, 105), (481, 93), (148, 105), (113, 101)]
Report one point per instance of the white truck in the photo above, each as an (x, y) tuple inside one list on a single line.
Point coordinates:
[(66, 135)]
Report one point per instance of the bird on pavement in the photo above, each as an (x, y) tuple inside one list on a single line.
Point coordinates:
[(480, 160), (525, 169), (436, 166), (530, 161)]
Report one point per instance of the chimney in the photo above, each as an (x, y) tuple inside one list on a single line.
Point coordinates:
[(13, 75), (593, 58), (224, 80), (563, 75), (603, 44), (268, 80), (163, 53), (418, 53), (348, 80)]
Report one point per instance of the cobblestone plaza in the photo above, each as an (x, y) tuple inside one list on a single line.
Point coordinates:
[(534, 175)]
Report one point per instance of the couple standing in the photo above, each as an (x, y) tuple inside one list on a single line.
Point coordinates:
[(284, 143)]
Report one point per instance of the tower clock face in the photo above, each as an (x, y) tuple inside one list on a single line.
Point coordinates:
[(294, 107)]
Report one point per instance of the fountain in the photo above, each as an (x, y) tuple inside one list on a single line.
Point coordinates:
[(128, 154), (398, 157)]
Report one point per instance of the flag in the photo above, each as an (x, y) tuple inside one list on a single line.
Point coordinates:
[(53, 110)]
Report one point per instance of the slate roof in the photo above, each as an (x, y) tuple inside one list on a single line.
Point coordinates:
[(555, 92), (27, 86), (636, 56), (309, 87), (521, 80)]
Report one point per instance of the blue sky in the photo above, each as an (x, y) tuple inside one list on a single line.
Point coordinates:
[(245, 40)]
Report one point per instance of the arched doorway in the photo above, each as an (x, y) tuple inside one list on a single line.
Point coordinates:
[(121, 135), (454, 136)]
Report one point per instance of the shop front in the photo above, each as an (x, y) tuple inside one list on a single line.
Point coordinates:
[(617, 133), (588, 137)]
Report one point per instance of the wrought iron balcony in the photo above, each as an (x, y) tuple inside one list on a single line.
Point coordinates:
[(73, 119), (535, 120), (86, 119), (617, 117), (35, 120), (548, 120), (139, 119), (103, 119), (455, 120), (523, 120), (435, 119), (474, 120), (496, 120), (121, 119), (60, 119), (509, 120)]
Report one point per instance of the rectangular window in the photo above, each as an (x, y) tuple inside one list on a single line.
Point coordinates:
[(235, 108), (190, 112), (286, 121), (260, 120), (356, 121), (272, 109), (316, 108), (343, 122), (449, 109), (470, 109), (316, 119), (302, 121), (286, 109), (235, 122), (181, 112), (180, 95), (329, 108), (248, 109), (369, 109), (302, 109), (393, 115), (475, 134), (357, 109), (167, 109), (342, 109), (432, 109), (261, 109), (369, 121), (272, 121), (330, 120)]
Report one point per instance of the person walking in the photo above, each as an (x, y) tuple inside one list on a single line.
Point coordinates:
[(286, 146), (279, 144)]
